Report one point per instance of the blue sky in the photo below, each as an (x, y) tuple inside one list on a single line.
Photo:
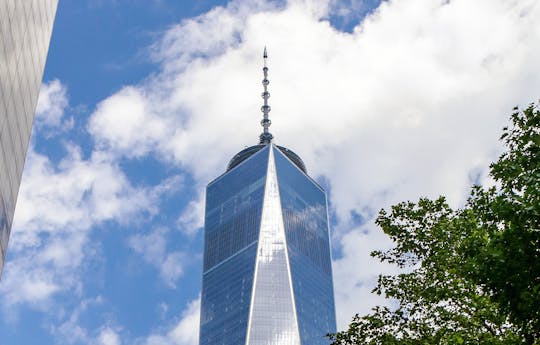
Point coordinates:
[(144, 102)]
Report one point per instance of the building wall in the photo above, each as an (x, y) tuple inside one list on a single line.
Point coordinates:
[(273, 319), (233, 215), (267, 276), (305, 219), (25, 31)]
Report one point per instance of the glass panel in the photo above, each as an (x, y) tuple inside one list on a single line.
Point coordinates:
[(225, 299), (306, 227), (286, 262), (233, 209), (232, 220), (273, 320)]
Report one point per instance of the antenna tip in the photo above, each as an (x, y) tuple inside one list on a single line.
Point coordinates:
[(265, 53)]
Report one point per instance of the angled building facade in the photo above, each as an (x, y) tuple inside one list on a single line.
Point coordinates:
[(25, 31), (267, 275)]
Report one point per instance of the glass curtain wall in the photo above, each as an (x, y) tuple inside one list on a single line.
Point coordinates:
[(267, 276), (305, 219), (233, 215)]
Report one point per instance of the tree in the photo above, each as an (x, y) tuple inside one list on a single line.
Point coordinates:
[(471, 275)]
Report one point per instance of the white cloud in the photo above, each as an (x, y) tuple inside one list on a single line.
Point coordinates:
[(51, 105), (132, 129), (70, 329), (153, 248), (58, 207), (108, 336), (183, 332), (355, 272), (192, 217), (36, 273), (409, 104), (73, 195)]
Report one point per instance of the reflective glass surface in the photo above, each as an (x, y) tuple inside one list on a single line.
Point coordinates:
[(233, 215), (267, 277), (305, 220), (273, 320), (226, 299), (25, 30)]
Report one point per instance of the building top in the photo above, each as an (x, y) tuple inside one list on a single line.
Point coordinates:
[(250, 151), (266, 137)]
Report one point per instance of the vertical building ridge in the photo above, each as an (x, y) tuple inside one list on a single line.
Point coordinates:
[(272, 317)]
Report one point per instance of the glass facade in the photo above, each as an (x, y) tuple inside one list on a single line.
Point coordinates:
[(305, 219), (233, 215), (272, 318), (267, 276), (25, 31)]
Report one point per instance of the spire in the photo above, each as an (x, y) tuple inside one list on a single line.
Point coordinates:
[(265, 137)]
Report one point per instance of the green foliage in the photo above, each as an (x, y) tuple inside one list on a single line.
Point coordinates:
[(469, 276)]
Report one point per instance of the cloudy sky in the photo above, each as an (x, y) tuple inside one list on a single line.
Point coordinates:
[(144, 102)]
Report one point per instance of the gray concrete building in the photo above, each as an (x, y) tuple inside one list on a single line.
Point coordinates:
[(25, 32)]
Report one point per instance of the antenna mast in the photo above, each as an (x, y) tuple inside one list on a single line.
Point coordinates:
[(266, 137)]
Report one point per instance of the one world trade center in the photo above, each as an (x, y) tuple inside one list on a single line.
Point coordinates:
[(267, 275)]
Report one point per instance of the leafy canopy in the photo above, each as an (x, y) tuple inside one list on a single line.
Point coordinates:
[(471, 275)]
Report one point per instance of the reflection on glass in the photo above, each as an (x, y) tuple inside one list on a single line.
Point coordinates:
[(233, 215), (267, 277), (273, 320), (306, 226)]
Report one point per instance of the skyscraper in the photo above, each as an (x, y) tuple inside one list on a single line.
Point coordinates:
[(25, 31), (267, 275)]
